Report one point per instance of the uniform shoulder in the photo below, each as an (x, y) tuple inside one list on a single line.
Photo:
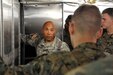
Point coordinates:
[(101, 67)]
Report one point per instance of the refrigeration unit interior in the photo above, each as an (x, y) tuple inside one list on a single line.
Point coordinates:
[(23, 17)]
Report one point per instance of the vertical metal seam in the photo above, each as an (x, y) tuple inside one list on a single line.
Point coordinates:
[(19, 39), (24, 53), (22, 30), (1, 30), (12, 34)]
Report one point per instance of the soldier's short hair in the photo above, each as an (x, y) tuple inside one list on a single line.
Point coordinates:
[(109, 11), (68, 19), (87, 19), (47, 23)]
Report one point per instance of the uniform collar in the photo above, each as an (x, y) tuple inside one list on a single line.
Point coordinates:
[(44, 44), (87, 45)]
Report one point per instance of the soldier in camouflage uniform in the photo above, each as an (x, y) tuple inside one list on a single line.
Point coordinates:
[(57, 63), (100, 67), (49, 44), (66, 37), (84, 32), (106, 41)]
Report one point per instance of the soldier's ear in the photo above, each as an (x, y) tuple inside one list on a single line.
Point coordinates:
[(71, 28), (99, 33)]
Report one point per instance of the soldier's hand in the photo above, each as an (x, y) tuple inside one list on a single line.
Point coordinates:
[(34, 36)]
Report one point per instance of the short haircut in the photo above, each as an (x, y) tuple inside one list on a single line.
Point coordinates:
[(87, 19), (47, 23), (68, 19), (109, 11)]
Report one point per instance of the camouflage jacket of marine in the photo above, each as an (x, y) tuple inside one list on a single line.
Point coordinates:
[(100, 67), (62, 62), (106, 43)]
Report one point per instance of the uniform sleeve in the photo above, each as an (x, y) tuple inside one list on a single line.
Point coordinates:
[(27, 39)]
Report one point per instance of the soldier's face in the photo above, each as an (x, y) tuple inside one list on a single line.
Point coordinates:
[(49, 32), (107, 21)]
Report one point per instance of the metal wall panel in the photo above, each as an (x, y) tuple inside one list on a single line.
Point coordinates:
[(35, 16), (52, 1), (1, 27), (9, 30), (68, 9), (16, 32)]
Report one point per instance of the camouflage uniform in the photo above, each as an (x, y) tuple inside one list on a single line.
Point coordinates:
[(27, 39), (42, 48), (56, 46), (60, 63), (106, 43), (100, 67)]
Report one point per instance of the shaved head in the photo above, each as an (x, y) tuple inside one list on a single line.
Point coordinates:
[(87, 19), (85, 25), (47, 23), (49, 31)]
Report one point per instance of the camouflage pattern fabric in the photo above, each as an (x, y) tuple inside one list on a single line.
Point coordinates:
[(106, 43), (61, 62), (100, 67), (28, 39), (56, 46), (43, 48)]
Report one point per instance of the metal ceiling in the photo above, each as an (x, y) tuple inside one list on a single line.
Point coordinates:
[(67, 0), (74, 1)]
